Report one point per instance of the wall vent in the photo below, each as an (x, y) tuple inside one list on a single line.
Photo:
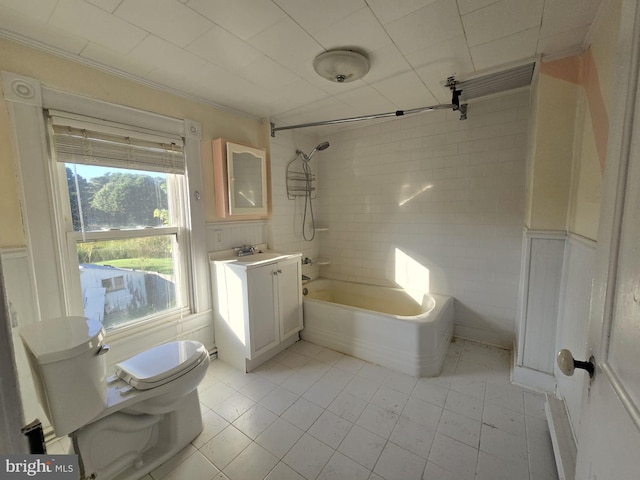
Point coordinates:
[(497, 82)]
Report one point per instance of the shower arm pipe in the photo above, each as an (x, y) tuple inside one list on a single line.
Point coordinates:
[(397, 113)]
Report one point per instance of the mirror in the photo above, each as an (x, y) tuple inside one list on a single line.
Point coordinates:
[(247, 180)]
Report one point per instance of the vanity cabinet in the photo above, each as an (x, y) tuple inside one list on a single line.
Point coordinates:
[(240, 180), (258, 309)]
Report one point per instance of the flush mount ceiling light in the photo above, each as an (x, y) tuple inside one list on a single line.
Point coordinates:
[(341, 65)]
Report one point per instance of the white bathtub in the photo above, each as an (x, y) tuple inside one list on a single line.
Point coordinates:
[(381, 325)]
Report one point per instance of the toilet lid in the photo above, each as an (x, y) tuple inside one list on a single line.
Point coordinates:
[(161, 364)]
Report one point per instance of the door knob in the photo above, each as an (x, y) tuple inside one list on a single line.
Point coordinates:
[(568, 364)]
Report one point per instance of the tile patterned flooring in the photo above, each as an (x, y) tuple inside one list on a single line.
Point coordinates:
[(312, 413)]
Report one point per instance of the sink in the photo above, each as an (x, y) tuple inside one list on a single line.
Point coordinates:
[(263, 257)]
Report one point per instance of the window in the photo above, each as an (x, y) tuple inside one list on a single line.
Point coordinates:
[(121, 209)]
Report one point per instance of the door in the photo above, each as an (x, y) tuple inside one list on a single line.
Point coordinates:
[(609, 433), (264, 330), (290, 298)]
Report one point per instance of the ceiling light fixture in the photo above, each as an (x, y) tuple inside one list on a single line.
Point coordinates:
[(341, 65)]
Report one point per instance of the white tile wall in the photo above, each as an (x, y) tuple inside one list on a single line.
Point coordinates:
[(448, 193)]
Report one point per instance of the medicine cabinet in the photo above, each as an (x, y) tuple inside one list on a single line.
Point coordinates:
[(240, 175)]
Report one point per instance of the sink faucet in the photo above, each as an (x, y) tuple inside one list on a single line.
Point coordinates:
[(245, 250)]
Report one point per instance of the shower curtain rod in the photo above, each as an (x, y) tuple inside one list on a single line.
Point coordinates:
[(454, 105), (397, 113)]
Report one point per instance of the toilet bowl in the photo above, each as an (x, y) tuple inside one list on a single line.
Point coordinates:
[(124, 425)]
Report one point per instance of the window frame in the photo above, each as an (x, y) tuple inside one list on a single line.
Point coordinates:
[(48, 251)]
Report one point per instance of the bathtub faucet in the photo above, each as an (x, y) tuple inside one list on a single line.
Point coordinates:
[(307, 261), (305, 277)]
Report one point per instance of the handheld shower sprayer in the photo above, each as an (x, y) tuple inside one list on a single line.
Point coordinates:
[(308, 189), (320, 147)]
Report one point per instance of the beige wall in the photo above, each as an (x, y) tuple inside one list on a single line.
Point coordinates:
[(571, 102), (73, 77)]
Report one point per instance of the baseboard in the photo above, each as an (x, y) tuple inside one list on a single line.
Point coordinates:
[(533, 379), (564, 443)]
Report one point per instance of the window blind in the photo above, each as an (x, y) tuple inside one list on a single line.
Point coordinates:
[(92, 143)]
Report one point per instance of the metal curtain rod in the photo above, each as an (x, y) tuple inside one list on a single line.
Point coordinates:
[(398, 113), (455, 105)]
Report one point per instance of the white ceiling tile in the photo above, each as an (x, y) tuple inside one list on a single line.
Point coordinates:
[(315, 16), (268, 73), (295, 95), (565, 15), (466, 6), (108, 57), (502, 19), (106, 5), (360, 29), (163, 55), (387, 11), (166, 19), (563, 42), (432, 24), (39, 10), (366, 101), (406, 91), (77, 17), (220, 47), (504, 50), (386, 62), (243, 18), (286, 42), (41, 33)]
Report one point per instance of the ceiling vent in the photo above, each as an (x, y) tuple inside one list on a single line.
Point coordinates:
[(497, 82)]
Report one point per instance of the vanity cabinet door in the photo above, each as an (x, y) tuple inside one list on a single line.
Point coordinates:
[(289, 298), (264, 327)]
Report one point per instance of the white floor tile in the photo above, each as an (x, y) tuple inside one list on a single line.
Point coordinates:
[(254, 463), (331, 429), (255, 421), (454, 456), (378, 420), (308, 456), (278, 400), (279, 437), (340, 467), (364, 421), (362, 446), (412, 436), (347, 406), (396, 463), (195, 467), (461, 428), (225, 446), (302, 413), (282, 471)]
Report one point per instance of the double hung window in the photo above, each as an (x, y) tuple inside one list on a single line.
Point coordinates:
[(121, 211)]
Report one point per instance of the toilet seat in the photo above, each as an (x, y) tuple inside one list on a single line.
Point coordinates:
[(162, 364)]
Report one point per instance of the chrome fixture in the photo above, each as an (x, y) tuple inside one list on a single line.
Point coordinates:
[(305, 278), (341, 65), (307, 261), (245, 250), (301, 184), (320, 147)]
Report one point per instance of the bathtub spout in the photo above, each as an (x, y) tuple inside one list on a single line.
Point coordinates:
[(305, 277)]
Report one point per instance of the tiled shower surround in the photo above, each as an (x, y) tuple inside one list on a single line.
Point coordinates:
[(445, 193)]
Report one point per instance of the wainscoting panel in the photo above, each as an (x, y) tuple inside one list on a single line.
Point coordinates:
[(543, 254), (573, 316)]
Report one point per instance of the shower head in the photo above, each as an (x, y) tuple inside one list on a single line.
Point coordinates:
[(319, 147)]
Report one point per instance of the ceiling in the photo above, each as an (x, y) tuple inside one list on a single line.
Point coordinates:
[(256, 56)]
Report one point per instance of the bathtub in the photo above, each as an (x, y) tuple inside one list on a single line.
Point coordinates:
[(378, 324)]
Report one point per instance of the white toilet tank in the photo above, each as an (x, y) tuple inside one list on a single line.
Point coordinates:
[(69, 369)]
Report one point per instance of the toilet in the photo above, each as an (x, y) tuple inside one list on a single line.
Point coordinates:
[(124, 425)]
